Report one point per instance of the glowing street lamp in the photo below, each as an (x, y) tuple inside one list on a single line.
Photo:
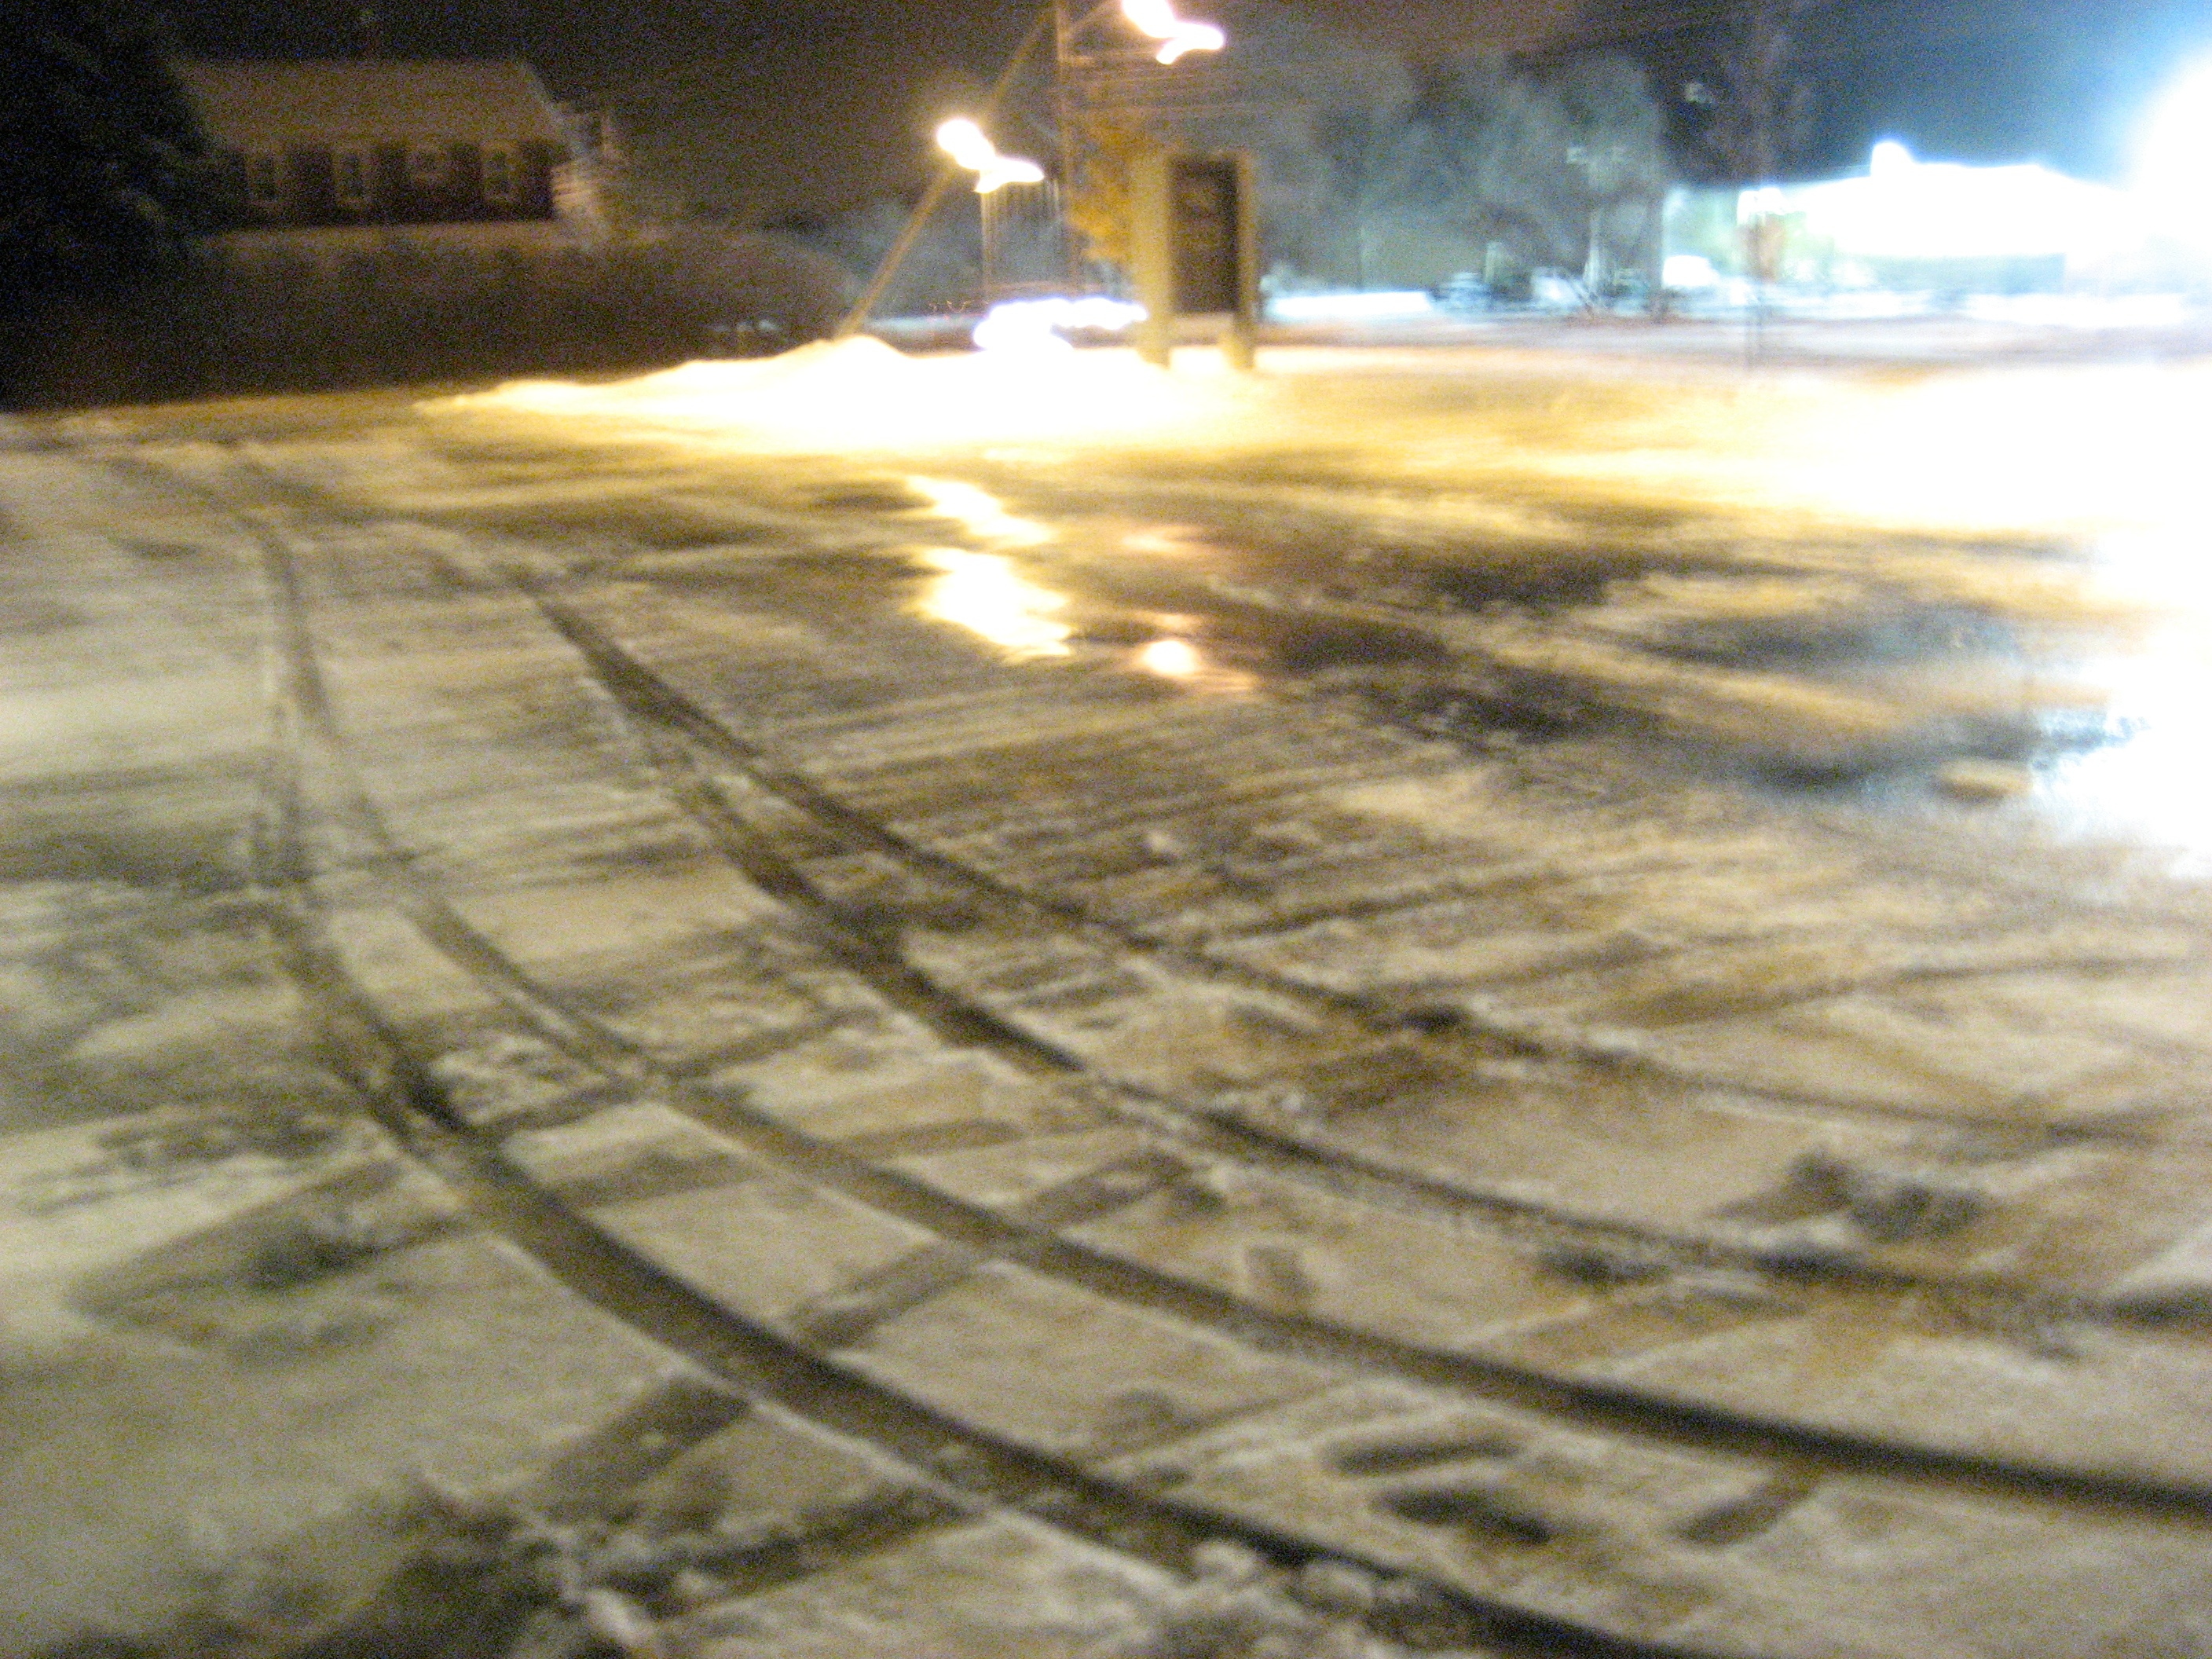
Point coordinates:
[(1158, 19), (963, 141)]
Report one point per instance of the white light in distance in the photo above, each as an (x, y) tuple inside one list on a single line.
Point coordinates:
[(1039, 326), (2174, 154)]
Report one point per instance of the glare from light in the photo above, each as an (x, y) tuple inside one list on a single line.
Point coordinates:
[(1959, 463), (2173, 156), (1175, 660), (964, 142), (2006, 450), (1158, 19), (1037, 325), (1688, 271), (2157, 229), (2151, 781), (983, 593)]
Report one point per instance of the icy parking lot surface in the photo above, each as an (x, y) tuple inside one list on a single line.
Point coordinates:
[(1988, 564), (1447, 1001)]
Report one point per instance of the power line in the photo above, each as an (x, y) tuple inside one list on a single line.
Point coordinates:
[(1929, 23)]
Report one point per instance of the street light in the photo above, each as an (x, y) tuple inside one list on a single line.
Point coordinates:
[(963, 141), (1158, 19)]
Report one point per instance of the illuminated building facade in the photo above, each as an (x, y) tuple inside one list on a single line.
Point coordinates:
[(1901, 224)]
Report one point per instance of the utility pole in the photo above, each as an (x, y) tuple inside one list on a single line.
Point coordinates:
[(1760, 119)]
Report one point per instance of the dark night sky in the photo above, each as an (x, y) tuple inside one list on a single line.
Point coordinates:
[(788, 104), (778, 105), (428, 27), (2059, 80)]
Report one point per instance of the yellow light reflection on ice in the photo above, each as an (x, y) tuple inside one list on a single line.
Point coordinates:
[(1191, 667), (1158, 19), (980, 513), (1175, 659), (1173, 543), (984, 594)]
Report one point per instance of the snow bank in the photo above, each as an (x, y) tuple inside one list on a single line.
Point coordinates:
[(1392, 306), (2053, 449), (863, 394)]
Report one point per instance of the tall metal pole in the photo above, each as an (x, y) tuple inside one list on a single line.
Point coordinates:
[(992, 213)]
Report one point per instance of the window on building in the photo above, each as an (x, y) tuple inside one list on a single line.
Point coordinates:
[(265, 182), (349, 178), (426, 166), (501, 181)]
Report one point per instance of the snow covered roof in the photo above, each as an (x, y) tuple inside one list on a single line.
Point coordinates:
[(254, 103)]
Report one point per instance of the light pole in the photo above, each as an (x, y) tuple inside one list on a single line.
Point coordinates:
[(1101, 79), (967, 144), (888, 267)]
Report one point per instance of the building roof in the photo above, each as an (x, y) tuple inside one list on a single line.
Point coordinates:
[(250, 102)]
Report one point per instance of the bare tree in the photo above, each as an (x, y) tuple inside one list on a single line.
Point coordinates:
[(1562, 171), (1761, 105), (1762, 110), (1362, 158), (1618, 146), (1333, 135)]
